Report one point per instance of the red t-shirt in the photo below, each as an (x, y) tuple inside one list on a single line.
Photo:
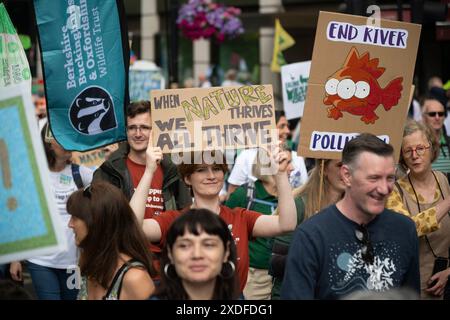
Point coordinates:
[(155, 200), (240, 222)]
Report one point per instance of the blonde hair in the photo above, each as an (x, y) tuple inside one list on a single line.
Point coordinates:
[(310, 192), (413, 126)]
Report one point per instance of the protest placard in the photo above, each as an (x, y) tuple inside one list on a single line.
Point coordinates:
[(145, 76), (294, 81), (197, 119), (14, 68), (94, 158), (29, 220), (364, 86)]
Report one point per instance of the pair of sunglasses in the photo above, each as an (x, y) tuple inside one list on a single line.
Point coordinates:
[(362, 234), (434, 113)]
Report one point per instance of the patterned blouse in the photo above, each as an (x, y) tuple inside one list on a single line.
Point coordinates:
[(426, 220), (434, 239)]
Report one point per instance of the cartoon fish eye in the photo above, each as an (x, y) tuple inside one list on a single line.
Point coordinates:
[(362, 89), (346, 89), (331, 86)]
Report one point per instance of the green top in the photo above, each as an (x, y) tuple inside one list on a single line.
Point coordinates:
[(442, 163), (287, 237), (6, 26), (260, 249)]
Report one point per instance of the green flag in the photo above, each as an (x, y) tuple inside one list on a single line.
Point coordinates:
[(14, 68)]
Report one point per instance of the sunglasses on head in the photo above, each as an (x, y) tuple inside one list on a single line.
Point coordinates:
[(434, 113), (362, 234)]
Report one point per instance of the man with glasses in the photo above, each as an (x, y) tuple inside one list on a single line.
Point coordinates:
[(434, 114), (125, 167), (356, 244)]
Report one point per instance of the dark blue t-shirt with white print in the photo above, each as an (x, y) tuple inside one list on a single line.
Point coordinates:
[(325, 257)]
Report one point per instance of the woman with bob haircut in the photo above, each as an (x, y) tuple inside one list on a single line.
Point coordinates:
[(199, 258), (206, 178), (115, 263)]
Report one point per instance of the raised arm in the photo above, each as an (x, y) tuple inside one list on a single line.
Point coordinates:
[(274, 225), (138, 201)]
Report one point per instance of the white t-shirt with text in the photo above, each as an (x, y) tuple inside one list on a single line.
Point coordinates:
[(242, 169), (63, 185)]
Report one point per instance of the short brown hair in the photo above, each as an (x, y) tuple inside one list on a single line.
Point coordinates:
[(138, 107), (365, 142), (192, 162)]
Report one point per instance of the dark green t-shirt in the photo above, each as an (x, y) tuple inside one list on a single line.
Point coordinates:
[(260, 249)]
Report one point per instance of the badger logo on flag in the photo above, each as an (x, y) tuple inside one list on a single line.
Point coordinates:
[(92, 111)]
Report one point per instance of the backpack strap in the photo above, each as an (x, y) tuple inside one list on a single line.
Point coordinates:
[(272, 205), (251, 198), (77, 176), (250, 187)]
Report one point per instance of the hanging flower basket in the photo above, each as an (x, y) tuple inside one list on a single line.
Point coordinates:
[(205, 19)]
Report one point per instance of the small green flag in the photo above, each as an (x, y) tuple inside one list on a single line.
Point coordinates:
[(282, 41), (14, 68)]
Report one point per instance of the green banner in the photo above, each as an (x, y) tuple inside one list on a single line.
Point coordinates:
[(85, 54)]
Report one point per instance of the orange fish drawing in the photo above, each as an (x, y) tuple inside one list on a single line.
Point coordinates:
[(355, 89)]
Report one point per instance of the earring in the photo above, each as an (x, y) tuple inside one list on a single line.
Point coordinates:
[(227, 274), (166, 271)]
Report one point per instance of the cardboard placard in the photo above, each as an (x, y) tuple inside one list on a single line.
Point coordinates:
[(213, 118), (294, 81), (94, 158), (364, 86)]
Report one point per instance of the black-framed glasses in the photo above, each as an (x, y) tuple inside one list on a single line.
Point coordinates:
[(87, 192), (134, 128), (420, 150), (362, 234), (434, 113)]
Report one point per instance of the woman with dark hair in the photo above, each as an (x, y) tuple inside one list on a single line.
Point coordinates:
[(51, 274), (199, 258), (206, 178), (115, 263)]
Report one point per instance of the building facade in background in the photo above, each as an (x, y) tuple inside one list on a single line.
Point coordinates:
[(153, 36)]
